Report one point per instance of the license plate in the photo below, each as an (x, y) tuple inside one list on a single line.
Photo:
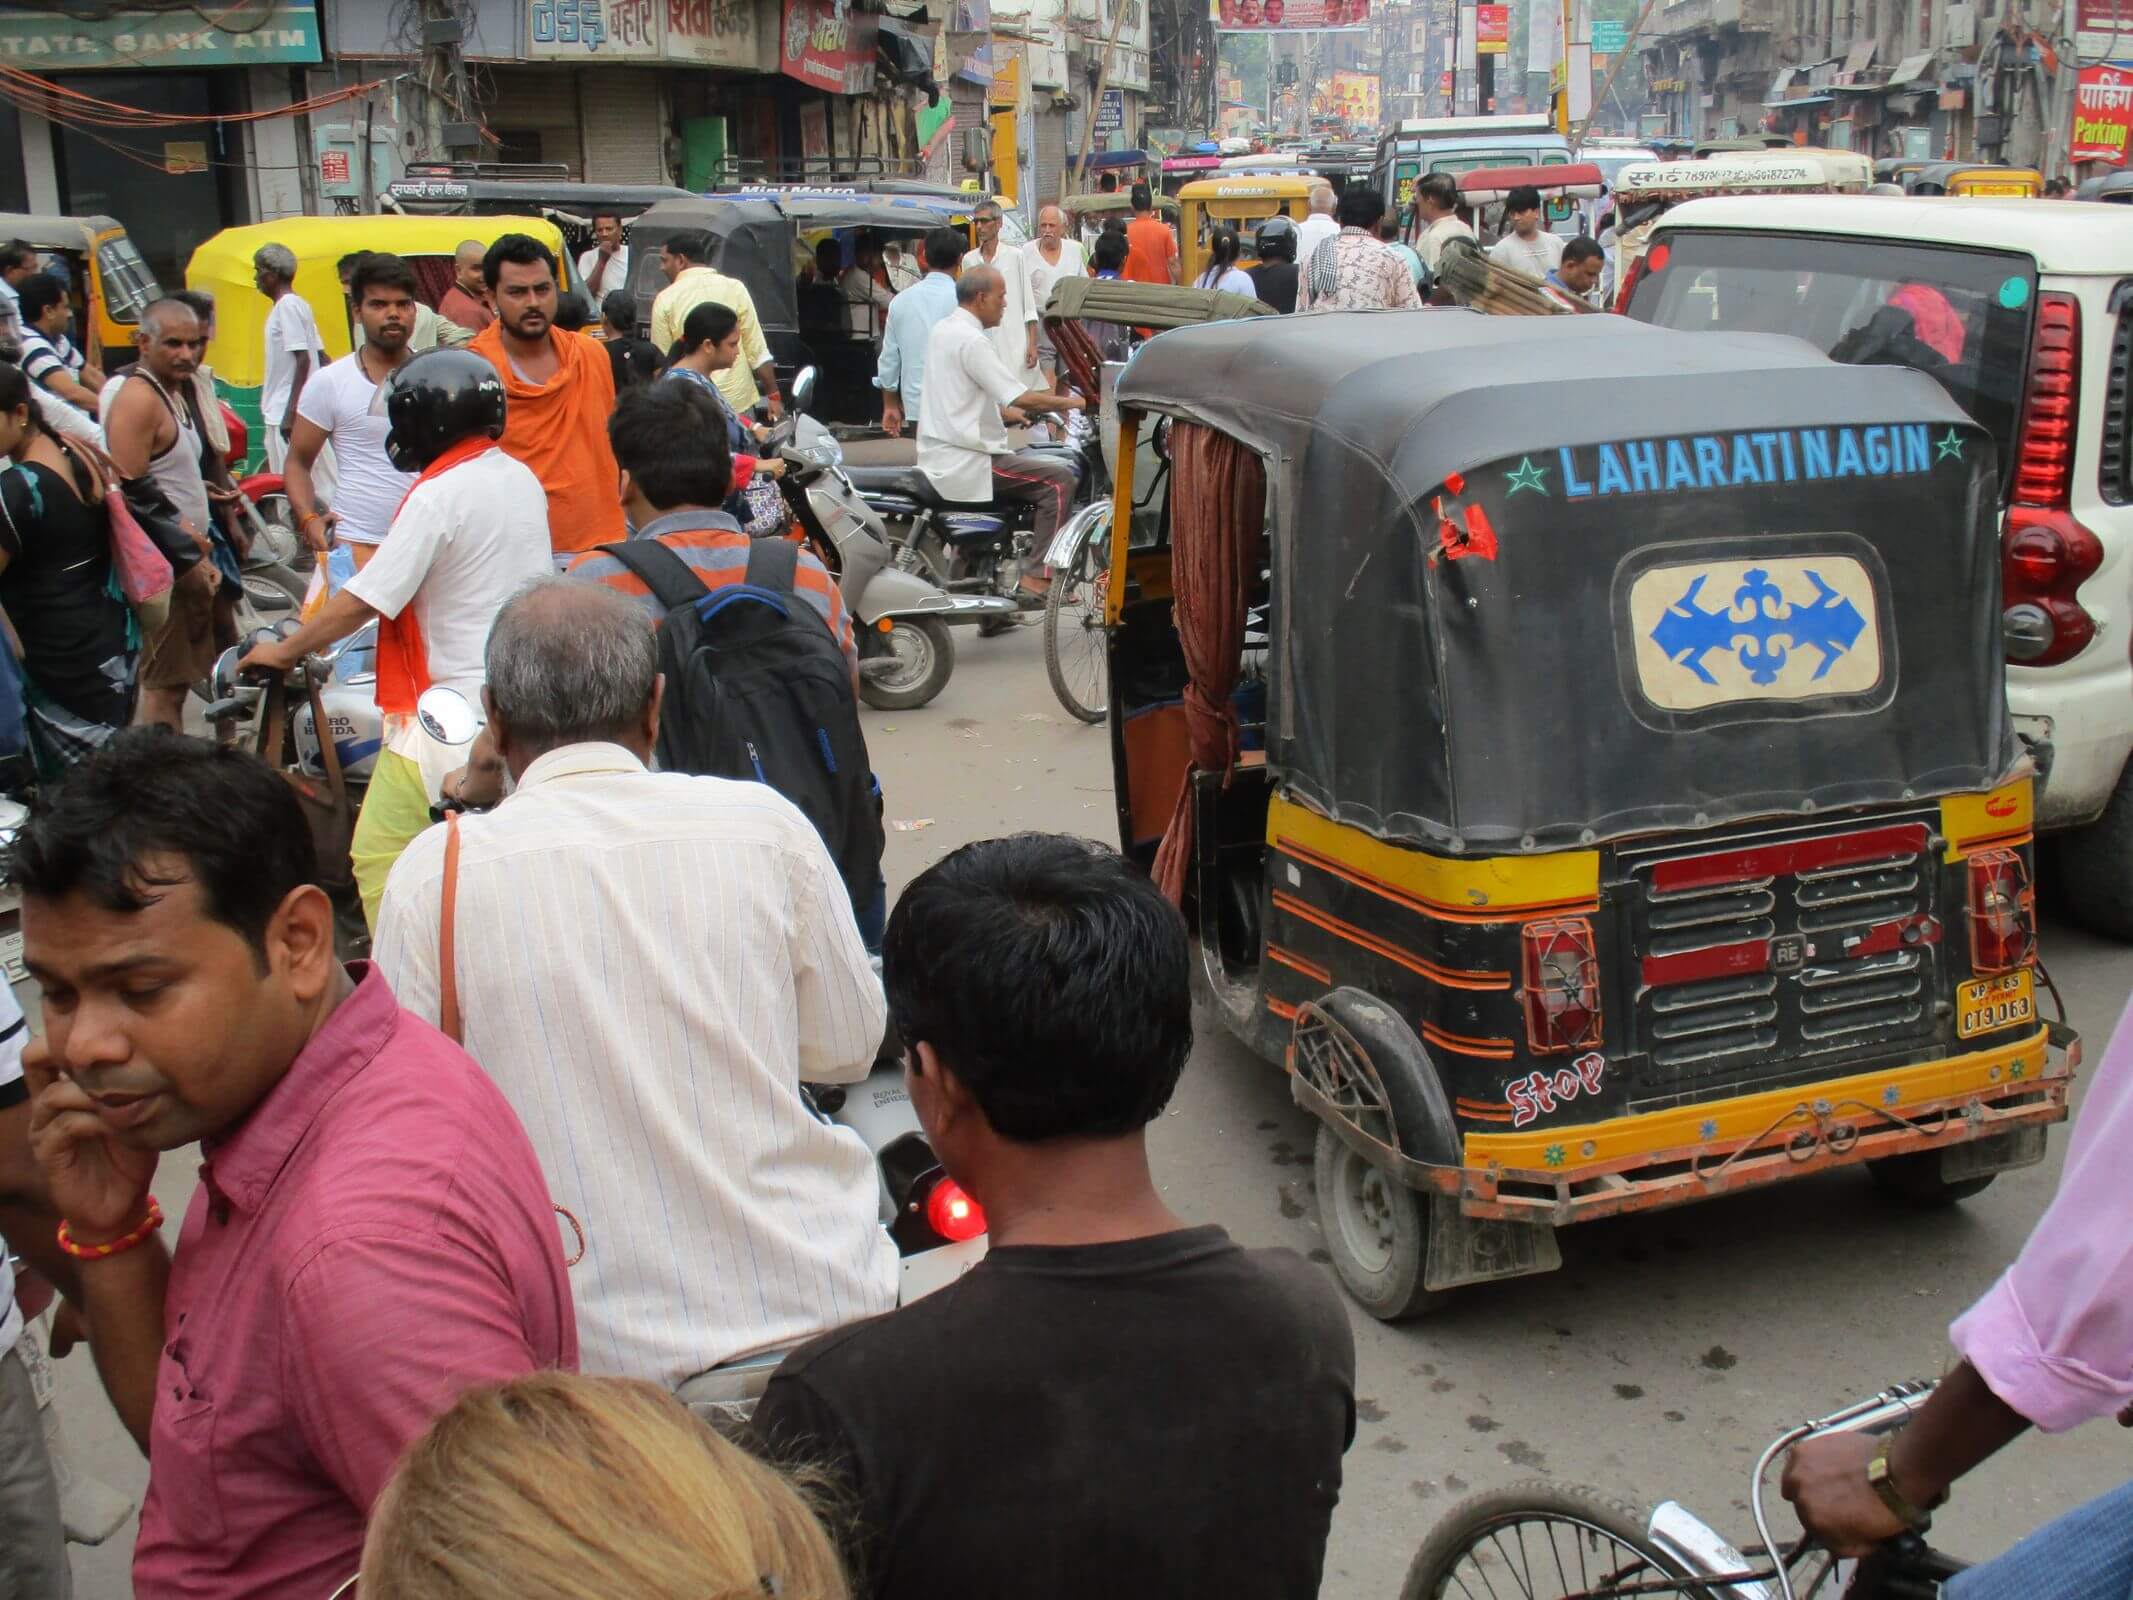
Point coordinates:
[(937, 1268), (1985, 1005)]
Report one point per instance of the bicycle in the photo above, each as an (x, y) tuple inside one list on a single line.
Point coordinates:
[(1077, 647), (1525, 1538)]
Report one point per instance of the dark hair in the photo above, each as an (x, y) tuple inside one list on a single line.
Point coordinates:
[(520, 250), (382, 270), (671, 438), (1109, 252), (150, 792), (1051, 977), (691, 244), (17, 253), (1359, 208), (202, 303), (1582, 248), (829, 255), (1107, 183), (38, 295), (612, 216), (619, 311), (572, 311), (15, 393), (1442, 190), (1221, 254), (1523, 198), (1114, 224), (945, 248), (706, 324), (1142, 200), (1388, 229), (347, 264)]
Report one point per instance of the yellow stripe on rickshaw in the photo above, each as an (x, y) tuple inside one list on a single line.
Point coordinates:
[(1466, 888), (2003, 1068)]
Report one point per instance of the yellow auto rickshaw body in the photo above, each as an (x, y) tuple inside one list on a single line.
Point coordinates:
[(1966, 178), (223, 267), (111, 285), (1241, 203)]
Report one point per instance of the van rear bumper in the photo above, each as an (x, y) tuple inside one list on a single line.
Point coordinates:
[(2088, 724), (1563, 1175)]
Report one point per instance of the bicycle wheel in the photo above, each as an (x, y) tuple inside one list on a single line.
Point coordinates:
[(1543, 1541), (1077, 650)]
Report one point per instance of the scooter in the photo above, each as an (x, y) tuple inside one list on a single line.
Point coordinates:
[(973, 549)]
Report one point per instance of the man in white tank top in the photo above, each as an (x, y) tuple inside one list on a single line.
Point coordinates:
[(150, 431)]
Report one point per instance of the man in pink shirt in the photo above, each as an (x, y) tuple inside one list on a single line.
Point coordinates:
[(371, 1233), (2049, 1346)]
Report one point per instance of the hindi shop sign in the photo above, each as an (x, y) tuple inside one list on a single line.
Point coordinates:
[(1260, 16), (828, 46), (718, 33), (1492, 30), (2103, 114), (45, 41)]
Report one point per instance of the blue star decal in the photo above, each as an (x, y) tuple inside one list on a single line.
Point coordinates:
[(1553, 1155), (1891, 1095), (1949, 445), (1526, 476), (1707, 1130)]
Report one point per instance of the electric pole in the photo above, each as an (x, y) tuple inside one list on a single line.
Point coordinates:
[(449, 131)]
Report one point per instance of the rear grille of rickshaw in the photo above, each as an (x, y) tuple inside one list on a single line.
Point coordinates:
[(1727, 991)]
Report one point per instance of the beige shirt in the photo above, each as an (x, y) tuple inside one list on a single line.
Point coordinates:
[(649, 966), (701, 286)]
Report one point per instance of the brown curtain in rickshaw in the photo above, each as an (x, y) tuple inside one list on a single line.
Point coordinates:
[(1217, 536)]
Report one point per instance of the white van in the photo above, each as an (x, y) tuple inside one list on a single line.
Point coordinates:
[(2024, 311)]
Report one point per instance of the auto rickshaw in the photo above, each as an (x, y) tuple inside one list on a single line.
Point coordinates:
[(1646, 191), (108, 281), (1581, 752), (223, 267), (766, 238), (1239, 203), (1898, 169), (1974, 177), (1563, 189)]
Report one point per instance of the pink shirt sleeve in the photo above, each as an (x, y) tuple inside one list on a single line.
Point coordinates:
[(2054, 1337), (383, 1332)]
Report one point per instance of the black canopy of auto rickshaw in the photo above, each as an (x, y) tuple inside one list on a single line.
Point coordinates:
[(446, 194), (1487, 698)]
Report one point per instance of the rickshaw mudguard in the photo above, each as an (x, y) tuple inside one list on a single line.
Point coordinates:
[(1397, 1069)]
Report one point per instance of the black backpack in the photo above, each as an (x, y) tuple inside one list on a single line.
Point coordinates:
[(758, 688)]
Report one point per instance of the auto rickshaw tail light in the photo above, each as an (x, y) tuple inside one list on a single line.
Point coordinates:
[(2003, 913), (1562, 986)]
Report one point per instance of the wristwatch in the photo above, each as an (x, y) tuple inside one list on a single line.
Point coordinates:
[(1883, 1484)]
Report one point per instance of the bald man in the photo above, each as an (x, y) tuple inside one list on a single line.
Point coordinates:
[(962, 437), (467, 301)]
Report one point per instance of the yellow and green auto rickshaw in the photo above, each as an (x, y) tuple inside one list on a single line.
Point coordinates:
[(223, 267), (1975, 178), (1582, 754), (1241, 204), (111, 285)]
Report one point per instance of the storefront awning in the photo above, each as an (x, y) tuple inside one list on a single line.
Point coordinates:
[(1909, 70), (1780, 84), (1798, 101)]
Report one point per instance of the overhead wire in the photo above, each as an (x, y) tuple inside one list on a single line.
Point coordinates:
[(56, 102)]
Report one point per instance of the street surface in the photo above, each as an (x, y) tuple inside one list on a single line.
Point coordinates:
[(1657, 1363)]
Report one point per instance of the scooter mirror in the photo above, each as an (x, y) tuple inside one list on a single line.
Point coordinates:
[(446, 717), (222, 681), (803, 388)]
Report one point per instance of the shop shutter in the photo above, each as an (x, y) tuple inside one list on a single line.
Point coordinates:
[(625, 124), (1052, 152), (536, 110)]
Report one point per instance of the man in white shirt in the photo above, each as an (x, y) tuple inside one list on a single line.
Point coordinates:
[(649, 965), (962, 440), (33, 1543), (472, 530), (18, 264), (866, 301), (1015, 335), (1318, 227), (1052, 256), (606, 266), (344, 407), (293, 347), (1437, 207), (1528, 247)]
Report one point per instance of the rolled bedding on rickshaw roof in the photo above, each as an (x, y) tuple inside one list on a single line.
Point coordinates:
[(1147, 305), (1546, 583)]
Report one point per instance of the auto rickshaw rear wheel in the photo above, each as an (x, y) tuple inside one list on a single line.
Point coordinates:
[(1914, 1180), (1377, 1231)]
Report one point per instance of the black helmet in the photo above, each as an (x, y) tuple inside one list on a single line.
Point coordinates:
[(438, 399), (1279, 233)]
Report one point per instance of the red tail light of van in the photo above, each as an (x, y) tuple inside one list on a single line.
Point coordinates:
[(2045, 554)]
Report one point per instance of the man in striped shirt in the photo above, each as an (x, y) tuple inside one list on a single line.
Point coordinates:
[(670, 441)]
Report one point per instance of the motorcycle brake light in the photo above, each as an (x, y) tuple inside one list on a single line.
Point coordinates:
[(951, 1213)]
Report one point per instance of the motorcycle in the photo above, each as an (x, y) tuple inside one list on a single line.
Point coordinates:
[(901, 617), (970, 549)]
